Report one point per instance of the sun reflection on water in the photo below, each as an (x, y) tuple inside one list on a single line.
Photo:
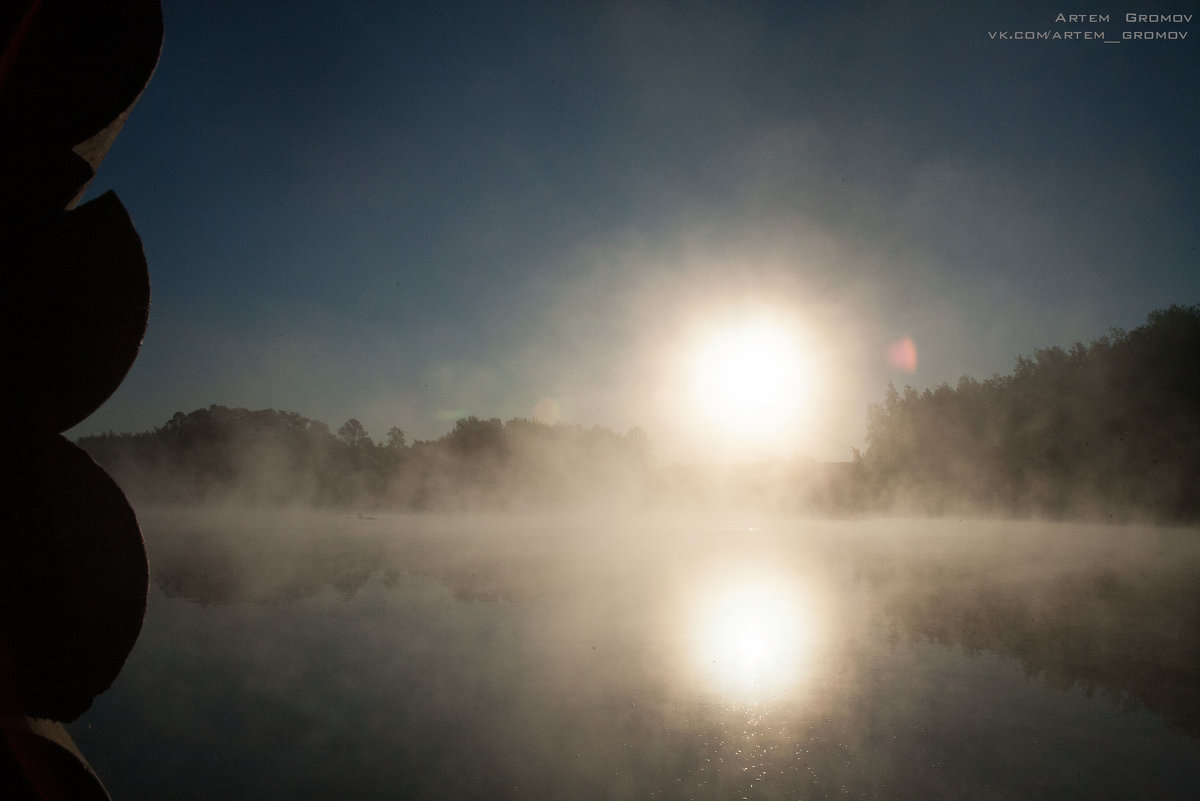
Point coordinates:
[(753, 635)]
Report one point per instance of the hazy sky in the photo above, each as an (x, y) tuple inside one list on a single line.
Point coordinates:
[(408, 213)]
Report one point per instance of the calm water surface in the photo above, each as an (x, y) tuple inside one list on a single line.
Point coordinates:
[(331, 656)]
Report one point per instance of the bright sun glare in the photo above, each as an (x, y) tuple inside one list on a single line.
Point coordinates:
[(753, 637), (751, 377)]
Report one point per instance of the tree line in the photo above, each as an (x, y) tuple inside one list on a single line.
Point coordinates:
[(1111, 428), (269, 457), (1107, 429)]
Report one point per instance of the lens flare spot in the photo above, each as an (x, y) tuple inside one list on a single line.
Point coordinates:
[(902, 355), (548, 411)]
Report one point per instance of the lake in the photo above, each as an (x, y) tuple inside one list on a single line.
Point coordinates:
[(294, 655)]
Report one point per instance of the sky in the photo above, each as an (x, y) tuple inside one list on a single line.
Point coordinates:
[(407, 213)]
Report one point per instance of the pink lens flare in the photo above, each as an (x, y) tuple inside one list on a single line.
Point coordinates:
[(902, 355)]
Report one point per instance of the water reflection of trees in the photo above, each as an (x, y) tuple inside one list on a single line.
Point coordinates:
[(1094, 614), (1106, 610), (231, 562), (1099, 631), (217, 565)]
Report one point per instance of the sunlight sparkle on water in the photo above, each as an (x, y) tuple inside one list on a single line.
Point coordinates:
[(753, 635)]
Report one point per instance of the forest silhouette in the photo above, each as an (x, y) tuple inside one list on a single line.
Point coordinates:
[(269, 457), (1111, 428), (1106, 430)]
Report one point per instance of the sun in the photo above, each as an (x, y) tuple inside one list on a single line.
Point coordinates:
[(750, 376)]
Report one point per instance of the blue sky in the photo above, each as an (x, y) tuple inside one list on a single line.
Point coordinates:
[(406, 213)]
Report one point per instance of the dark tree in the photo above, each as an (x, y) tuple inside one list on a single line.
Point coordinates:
[(395, 438), (1103, 429), (353, 434)]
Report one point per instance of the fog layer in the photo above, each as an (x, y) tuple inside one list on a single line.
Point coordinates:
[(1102, 431), (325, 655)]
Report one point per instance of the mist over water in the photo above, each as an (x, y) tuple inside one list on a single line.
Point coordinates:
[(718, 231), (299, 654), (1105, 431)]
